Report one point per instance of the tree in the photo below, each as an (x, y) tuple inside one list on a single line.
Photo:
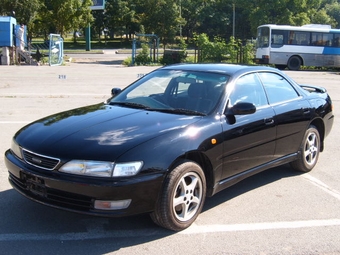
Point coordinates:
[(100, 23), (321, 17), (333, 10), (24, 11), (121, 17), (62, 16), (160, 17), (284, 12)]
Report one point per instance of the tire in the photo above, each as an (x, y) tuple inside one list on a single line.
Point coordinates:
[(182, 197), (309, 151), (294, 63)]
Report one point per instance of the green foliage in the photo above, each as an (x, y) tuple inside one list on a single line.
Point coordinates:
[(287, 12), (143, 57), (127, 61), (220, 51), (175, 56), (160, 17), (62, 16), (24, 10), (121, 17), (333, 10), (248, 53), (49, 16), (215, 51), (189, 59)]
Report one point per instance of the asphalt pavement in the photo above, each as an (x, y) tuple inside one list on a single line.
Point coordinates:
[(107, 57)]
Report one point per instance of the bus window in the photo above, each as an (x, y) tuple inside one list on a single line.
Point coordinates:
[(299, 38), (327, 39), (278, 38), (322, 39), (336, 40), (303, 38), (316, 38)]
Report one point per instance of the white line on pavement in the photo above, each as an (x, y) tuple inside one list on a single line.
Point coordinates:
[(195, 229), (322, 186)]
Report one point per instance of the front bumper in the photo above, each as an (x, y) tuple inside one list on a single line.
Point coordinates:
[(78, 194)]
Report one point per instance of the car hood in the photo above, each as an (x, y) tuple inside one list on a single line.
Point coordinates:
[(99, 132)]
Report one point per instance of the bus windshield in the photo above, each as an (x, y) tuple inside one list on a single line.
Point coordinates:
[(262, 37)]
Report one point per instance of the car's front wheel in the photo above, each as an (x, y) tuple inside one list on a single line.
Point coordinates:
[(309, 151), (182, 197)]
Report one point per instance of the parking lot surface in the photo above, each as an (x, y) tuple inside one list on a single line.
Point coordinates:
[(278, 211)]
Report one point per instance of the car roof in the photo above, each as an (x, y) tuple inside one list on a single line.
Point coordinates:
[(229, 69)]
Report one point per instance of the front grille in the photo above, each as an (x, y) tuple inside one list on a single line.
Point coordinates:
[(41, 161), (40, 192)]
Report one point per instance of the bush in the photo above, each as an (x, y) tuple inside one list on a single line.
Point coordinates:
[(143, 57), (173, 57), (220, 51), (127, 61)]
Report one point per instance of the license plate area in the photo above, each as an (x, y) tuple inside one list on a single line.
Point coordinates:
[(34, 184)]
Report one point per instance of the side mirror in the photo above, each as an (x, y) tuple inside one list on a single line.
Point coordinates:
[(115, 91), (241, 108)]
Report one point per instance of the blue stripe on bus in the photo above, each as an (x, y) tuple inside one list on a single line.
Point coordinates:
[(331, 51)]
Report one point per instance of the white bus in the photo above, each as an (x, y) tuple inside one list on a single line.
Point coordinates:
[(293, 47)]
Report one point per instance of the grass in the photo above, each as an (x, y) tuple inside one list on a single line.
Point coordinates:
[(80, 44), (96, 46)]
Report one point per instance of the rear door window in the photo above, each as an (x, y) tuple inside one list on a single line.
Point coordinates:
[(278, 89)]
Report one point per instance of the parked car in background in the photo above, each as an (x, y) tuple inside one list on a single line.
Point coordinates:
[(169, 140)]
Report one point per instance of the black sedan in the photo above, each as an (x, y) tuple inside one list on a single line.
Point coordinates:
[(173, 137)]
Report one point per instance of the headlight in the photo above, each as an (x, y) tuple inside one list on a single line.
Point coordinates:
[(15, 148), (91, 168), (101, 168)]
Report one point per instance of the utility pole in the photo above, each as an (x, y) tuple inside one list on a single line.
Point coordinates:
[(180, 15), (234, 20)]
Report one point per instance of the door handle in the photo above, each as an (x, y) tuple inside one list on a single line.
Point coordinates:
[(269, 121), (306, 110)]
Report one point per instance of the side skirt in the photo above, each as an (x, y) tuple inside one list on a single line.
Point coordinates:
[(223, 184)]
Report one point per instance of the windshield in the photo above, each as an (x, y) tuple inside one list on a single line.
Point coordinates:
[(262, 40), (174, 91)]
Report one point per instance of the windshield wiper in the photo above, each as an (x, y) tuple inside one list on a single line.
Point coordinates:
[(167, 110), (131, 105), (178, 111)]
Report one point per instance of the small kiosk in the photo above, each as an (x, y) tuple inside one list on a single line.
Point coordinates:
[(7, 37)]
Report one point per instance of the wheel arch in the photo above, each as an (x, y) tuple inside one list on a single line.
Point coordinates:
[(301, 58), (204, 162), (318, 123)]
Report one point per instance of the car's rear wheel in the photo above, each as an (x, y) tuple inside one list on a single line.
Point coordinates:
[(309, 151), (182, 197)]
